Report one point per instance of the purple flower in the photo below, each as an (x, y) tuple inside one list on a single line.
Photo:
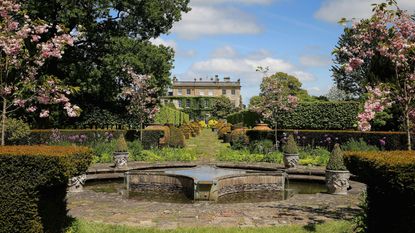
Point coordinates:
[(382, 142)]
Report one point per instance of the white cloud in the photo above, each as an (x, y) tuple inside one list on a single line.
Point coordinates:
[(224, 52), (213, 20), (244, 68), (334, 10), (186, 53), (161, 41), (315, 60)]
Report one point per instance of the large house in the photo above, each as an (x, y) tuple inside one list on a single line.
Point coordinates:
[(195, 96)]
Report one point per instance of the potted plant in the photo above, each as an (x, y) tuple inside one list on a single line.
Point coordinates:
[(290, 150), (121, 152), (337, 175)]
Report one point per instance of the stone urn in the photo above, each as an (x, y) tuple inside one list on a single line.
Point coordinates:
[(120, 159), (291, 160), (337, 181), (76, 183), (262, 127)]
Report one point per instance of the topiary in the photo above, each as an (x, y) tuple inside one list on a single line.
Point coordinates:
[(336, 161), (121, 145), (177, 138), (291, 146), (224, 130)]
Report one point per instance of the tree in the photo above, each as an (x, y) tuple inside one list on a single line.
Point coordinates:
[(388, 36), (255, 100), (110, 31), (293, 85), (26, 46), (142, 97), (275, 97), (222, 107), (336, 94)]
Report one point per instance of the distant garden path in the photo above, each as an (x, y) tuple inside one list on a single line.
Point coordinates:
[(207, 145)]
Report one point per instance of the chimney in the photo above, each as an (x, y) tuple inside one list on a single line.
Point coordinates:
[(200, 79), (217, 78), (227, 79)]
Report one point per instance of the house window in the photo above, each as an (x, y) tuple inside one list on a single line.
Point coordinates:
[(233, 92), (179, 102), (188, 91), (187, 103), (223, 91), (202, 92), (179, 92), (210, 92)]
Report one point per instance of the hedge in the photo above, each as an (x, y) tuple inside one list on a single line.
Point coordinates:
[(168, 115), (33, 186), (390, 179), (308, 115), (177, 138), (327, 138)]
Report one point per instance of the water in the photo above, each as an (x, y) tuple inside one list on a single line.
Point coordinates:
[(294, 188), (203, 173)]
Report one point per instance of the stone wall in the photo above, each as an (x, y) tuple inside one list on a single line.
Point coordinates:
[(160, 182)]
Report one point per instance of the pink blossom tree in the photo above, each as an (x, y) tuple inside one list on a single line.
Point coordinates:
[(25, 46), (389, 34), (274, 98), (142, 97)]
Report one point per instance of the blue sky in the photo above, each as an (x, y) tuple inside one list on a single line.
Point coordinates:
[(233, 37)]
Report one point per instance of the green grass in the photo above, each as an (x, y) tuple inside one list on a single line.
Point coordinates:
[(207, 145), (329, 227)]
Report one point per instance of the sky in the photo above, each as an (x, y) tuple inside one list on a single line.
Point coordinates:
[(234, 37)]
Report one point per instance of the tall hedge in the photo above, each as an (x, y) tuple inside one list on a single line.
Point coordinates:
[(33, 186), (168, 115), (308, 115), (390, 179)]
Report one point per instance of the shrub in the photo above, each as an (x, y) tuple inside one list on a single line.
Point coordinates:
[(16, 131), (203, 124), (336, 161), (135, 149), (262, 147), (168, 115), (361, 145), (246, 117), (121, 145), (151, 138), (34, 183), (195, 128), (169, 154), (186, 130), (230, 155), (239, 140), (177, 139), (212, 123), (291, 146), (73, 136), (390, 179), (315, 157), (226, 128), (103, 151)]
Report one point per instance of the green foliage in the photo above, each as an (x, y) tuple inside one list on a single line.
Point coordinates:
[(290, 146), (121, 145), (199, 106), (336, 161), (135, 149), (230, 155), (293, 85), (168, 115), (169, 154), (248, 118), (239, 139), (389, 177), (34, 183), (16, 131), (361, 145), (262, 147), (222, 107), (314, 157), (151, 138), (308, 115), (177, 138), (103, 151)]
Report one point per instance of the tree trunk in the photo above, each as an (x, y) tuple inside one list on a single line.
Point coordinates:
[(408, 129), (141, 132), (3, 122)]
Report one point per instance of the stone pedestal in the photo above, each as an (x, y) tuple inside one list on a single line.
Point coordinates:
[(76, 184), (337, 182), (291, 160)]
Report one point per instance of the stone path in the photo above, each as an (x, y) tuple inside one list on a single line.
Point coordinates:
[(303, 209)]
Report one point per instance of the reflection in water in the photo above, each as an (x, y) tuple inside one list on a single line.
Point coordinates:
[(204, 173), (294, 187)]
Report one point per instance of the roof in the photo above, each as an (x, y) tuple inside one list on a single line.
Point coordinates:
[(205, 84)]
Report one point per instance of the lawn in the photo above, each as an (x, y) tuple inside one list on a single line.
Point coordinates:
[(329, 227)]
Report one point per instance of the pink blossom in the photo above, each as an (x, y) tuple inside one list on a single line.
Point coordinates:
[(44, 114)]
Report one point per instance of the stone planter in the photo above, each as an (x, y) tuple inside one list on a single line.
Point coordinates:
[(262, 127), (76, 183), (120, 159), (291, 160), (337, 182)]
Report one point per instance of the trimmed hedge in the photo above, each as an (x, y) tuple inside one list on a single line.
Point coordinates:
[(327, 138), (177, 138), (155, 137), (33, 186), (308, 115), (390, 179), (168, 115)]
